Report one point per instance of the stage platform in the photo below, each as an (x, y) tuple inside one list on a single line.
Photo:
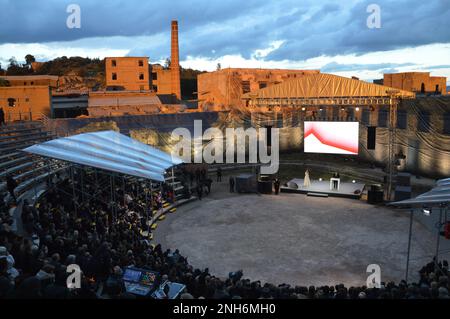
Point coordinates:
[(321, 188)]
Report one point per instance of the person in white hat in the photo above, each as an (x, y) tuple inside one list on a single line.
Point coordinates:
[(12, 272)]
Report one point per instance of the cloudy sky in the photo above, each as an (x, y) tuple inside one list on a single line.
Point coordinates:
[(307, 34)]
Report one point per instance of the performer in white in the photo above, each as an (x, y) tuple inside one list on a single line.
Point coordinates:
[(307, 180)]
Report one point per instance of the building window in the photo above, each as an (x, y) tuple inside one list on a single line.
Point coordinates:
[(336, 114), (24, 83), (114, 76), (447, 123), (423, 122), (245, 87), (422, 88), (402, 119), (154, 76), (323, 113), (437, 89), (114, 63), (155, 88), (11, 102), (141, 63), (262, 85), (365, 117), (350, 114), (32, 83), (142, 88), (383, 118), (141, 76)]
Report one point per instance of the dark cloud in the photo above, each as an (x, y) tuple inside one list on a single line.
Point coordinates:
[(216, 28)]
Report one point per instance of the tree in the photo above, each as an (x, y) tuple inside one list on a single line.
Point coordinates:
[(15, 68), (4, 83), (29, 59), (12, 62), (219, 67)]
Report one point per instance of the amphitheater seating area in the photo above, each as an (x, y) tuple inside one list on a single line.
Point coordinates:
[(28, 171)]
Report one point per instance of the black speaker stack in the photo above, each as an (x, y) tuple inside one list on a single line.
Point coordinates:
[(371, 137), (403, 189), (375, 195)]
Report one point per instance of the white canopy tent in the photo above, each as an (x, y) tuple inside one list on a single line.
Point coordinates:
[(111, 151), (438, 198)]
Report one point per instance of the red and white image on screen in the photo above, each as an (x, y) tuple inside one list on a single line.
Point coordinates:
[(332, 137)]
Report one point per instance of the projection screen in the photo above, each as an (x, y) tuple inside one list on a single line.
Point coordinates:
[(332, 137)]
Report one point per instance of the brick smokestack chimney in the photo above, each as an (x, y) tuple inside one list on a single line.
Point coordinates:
[(175, 62)]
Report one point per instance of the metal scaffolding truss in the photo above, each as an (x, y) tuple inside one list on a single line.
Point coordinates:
[(320, 101)]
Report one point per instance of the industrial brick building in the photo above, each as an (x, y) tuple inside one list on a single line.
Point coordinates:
[(136, 74), (417, 82), (25, 102), (27, 97), (224, 88), (127, 73)]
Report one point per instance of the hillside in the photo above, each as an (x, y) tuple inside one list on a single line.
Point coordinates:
[(82, 74)]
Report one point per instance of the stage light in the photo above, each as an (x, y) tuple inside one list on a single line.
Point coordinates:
[(353, 181), (303, 109)]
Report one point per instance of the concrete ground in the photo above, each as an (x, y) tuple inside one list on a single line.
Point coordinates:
[(294, 239)]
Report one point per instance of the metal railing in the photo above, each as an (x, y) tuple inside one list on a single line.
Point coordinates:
[(51, 126), (18, 117)]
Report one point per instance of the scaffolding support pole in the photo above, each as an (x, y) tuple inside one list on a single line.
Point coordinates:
[(438, 240), (112, 199), (393, 105), (82, 183), (123, 190), (411, 217), (172, 186), (73, 191)]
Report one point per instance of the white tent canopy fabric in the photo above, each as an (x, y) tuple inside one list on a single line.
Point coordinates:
[(111, 151), (437, 196)]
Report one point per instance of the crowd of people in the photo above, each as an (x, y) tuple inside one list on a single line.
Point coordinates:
[(104, 240)]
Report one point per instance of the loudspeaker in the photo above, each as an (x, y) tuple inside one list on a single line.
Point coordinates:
[(403, 193), (375, 188), (403, 179), (375, 197), (371, 137), (265, 187)]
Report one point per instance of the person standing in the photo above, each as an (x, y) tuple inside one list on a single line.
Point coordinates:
[(200, 191), (11, 184), (277, 186), (219, 174), (231, 184), (307, 181), (208, 183), (2, 117)]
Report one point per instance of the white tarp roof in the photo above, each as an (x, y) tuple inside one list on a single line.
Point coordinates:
[(438, 195), (110, 151)]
